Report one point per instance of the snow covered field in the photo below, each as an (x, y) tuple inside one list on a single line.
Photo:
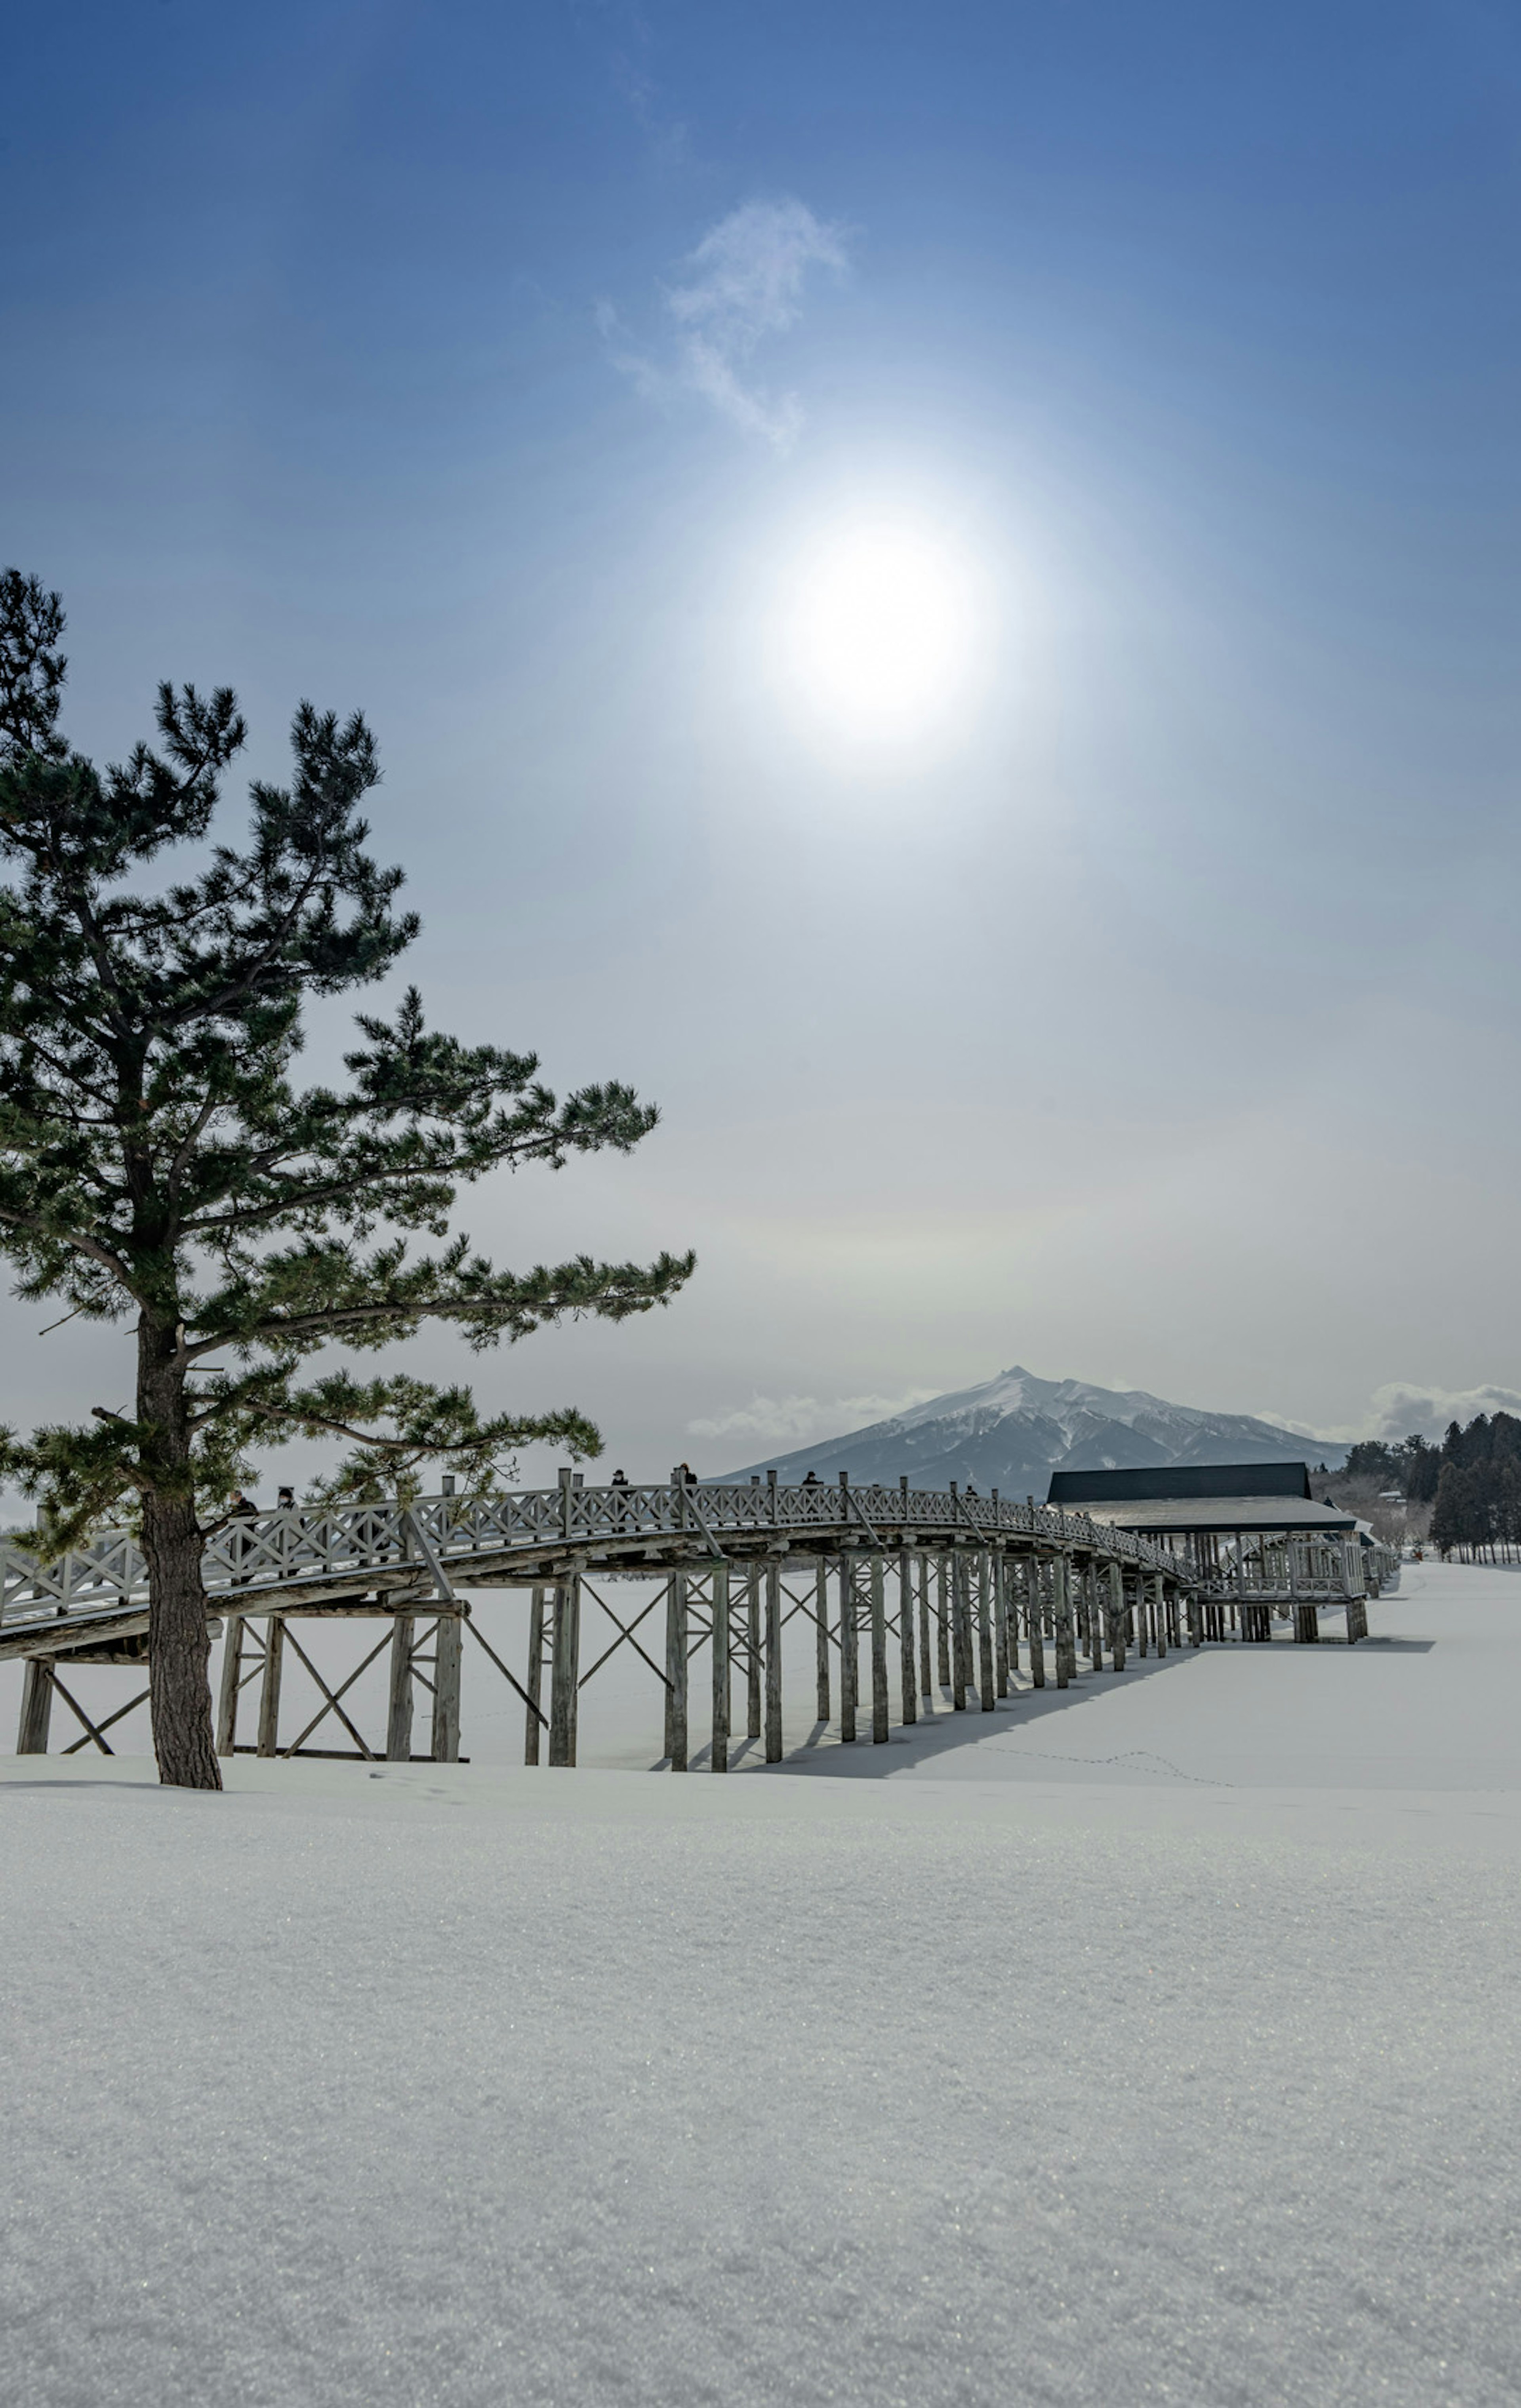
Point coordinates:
[(1159, 2044)]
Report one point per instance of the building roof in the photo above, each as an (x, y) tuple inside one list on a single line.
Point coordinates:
[(1188, 1516), (1178, 1480)]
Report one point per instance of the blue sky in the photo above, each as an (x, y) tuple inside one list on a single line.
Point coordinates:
[(1152, 1018)]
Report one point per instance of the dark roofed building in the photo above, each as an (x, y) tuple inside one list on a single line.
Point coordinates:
[(1190, 1500), (1179, 1480), (1256, 1532)]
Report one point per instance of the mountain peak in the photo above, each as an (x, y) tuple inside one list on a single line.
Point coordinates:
[(1012, 1431)]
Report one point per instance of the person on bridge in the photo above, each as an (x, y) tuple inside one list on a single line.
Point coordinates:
[(619, 1480)]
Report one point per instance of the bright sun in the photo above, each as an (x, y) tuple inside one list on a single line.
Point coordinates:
[(882, 629)]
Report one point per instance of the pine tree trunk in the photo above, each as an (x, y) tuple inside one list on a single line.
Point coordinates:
[(179, 1648)]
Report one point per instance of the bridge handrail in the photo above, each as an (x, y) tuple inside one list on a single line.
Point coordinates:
[(269, 1550)]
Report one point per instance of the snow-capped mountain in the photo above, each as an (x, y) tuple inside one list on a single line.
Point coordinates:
[(1012, 1432)]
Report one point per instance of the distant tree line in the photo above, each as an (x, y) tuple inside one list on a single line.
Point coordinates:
[(1471, 1483)]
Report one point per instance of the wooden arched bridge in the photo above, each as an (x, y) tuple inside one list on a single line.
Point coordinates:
[(912, 1597)]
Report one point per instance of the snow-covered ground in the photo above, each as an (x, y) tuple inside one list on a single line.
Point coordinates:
[(1158, 2043)]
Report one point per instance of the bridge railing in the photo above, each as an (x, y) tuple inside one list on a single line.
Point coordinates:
[(338, 1543)]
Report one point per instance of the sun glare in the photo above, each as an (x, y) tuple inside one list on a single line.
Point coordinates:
[(882, 630)]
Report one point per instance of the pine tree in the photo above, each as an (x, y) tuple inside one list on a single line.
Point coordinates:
[(159, 1163)]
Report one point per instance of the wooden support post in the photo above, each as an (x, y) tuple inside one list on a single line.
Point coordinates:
[(927, 1641), (564, 1670), (908, 1677), (773, 1662), (1094, 1585), (1061, 1608), (531, 1723), (1116, 1614), (960, 1633), (879, 1651), (985, 1632), (719, 1760), (274, 1660), (849, 1660), (37, 1707), (1001, 1622), (398, 1722), (752, 1653), (1141, 1615), (820, 1638), (942, 1618), (676, 1633), (1159, 1612), (447, 1652), (1034, 1616), (1077, 1583), (227, 1688)]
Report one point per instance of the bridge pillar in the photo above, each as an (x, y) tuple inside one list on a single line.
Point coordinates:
[(37, 1707), (850, 1662), (229, 1686), (879, 1652), (676, 1631), (448, 1650), (564, 1670), (773, 1662), (719, 1759), (926, 1634), (752, 1653), (1001, 1622), (274, 1663), (821, 1639), (960, 1650), (942, 1618), (985, 1632), (398, 1726), (1035, 1607), (1061, 1614), (534, 1684), (1159, 1611), (1116, 1613), (908, 1677)]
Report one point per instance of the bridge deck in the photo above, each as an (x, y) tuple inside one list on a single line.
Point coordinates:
[(283, 1562)]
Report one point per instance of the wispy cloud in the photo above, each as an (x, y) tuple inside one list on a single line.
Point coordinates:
[(744, 283), (797, 1419), (1404, 1408)]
